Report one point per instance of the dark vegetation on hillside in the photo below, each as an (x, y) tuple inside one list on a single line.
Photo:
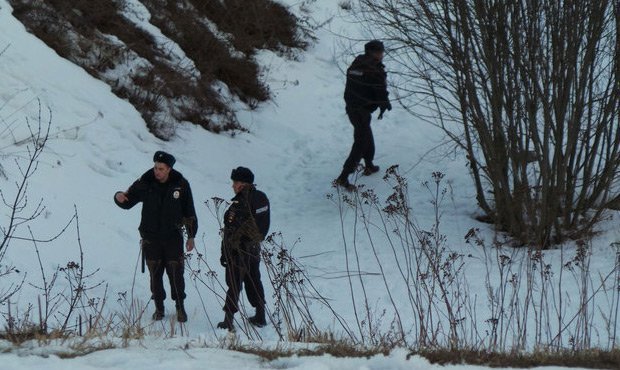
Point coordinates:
[(219, 40)]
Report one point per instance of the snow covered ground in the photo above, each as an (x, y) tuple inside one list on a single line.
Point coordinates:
[(158, 355), (99, 144)]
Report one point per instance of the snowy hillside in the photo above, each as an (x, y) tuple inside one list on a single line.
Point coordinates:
[(296, 146)]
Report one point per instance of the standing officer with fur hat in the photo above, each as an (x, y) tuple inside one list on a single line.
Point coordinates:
[(365, 91), (246, 224), (167, 210)]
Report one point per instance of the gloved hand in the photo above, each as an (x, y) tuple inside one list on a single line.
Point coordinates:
[(384, 107)]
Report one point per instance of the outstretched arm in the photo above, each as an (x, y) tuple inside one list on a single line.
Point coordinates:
[(131, 197)]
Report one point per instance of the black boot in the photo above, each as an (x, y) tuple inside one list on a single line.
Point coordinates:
[(227, 323), (258, 320), (370, 169), (159, 310), (343, 181), (181, 314)]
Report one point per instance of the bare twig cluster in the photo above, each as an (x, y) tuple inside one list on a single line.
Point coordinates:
[(17, 204), (64, 295), (530, 91), (526, 303), (294, 294)]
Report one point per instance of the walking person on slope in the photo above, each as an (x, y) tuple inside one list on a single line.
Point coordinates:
[(365, 92), (167, 210), (246, 224)]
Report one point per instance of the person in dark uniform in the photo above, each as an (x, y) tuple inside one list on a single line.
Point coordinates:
[(365, 92), (246, 224), (167, 211)]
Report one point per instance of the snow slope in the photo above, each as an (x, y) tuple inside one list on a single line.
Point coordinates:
[(99, 144)]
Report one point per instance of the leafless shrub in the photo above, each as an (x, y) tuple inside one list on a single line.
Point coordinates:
[(203, 275), (434, 286), (68, 302), (294, 293), (20, 212), (65, 293), (529, 91), (530, 304)]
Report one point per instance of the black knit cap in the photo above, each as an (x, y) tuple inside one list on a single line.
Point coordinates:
[(242, 174), (374, 46), (163, 157)]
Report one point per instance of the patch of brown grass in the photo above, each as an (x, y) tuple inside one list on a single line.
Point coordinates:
[(256, 24), (27, 331), (186, 26), (336, 348), (85, 350), (22, 335), (591, 359)]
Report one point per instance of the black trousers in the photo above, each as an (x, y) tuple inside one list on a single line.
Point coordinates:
[(363, 140), (165, 255), (243, 269)]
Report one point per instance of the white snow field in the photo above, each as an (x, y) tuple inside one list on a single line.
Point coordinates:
[(296, 146)]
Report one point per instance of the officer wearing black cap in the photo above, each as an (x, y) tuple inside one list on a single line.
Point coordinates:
[(365, 92), (246, 224), (167, 212)]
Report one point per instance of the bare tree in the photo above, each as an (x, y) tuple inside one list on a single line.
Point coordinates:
[(529, 90)]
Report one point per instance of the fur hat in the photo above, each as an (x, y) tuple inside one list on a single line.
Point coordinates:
[(163, 157), (374, 46), (242, 174)]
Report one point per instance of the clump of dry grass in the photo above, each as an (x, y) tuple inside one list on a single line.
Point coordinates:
[(592, 359), (333, 347)]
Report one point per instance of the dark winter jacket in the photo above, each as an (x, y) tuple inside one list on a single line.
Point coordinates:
[(166, 208), (246, 221), (366, 84)]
